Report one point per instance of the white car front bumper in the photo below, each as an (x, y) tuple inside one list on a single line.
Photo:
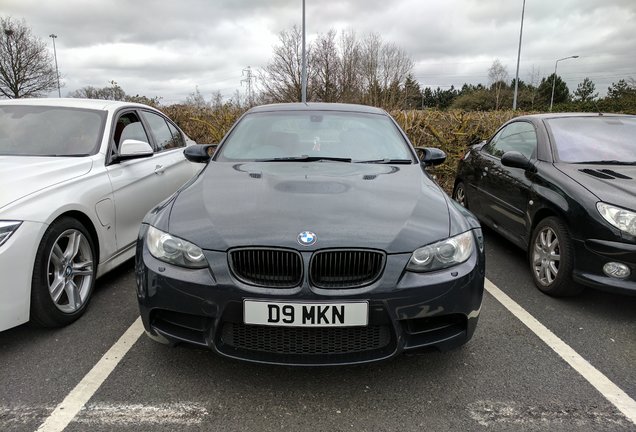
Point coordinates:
[(17, 257)]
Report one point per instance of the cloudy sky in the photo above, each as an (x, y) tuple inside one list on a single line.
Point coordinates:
[(168, 48)]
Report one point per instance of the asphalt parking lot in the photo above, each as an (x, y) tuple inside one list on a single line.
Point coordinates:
[(506, 378)]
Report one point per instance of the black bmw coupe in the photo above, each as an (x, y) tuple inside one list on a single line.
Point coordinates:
[(314, 236), (562, 187)]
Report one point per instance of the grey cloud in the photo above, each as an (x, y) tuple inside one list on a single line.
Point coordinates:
[(167, 48)]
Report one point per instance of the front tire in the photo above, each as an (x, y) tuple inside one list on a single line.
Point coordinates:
[(459, 194), (552, 258), (63, 274)]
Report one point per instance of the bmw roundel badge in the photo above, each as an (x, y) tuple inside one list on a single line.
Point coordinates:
[(307, 238)]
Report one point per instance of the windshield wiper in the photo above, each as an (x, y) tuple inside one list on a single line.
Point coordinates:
[(306, 158), (606, 162), (386, 161)]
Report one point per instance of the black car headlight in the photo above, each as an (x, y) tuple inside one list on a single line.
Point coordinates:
[(623, 219), (6, 229), (446, 253), (173, 250)]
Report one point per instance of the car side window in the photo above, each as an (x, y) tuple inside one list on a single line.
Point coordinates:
[(518, 136), (177, 136), (128, 126), (164, 138)]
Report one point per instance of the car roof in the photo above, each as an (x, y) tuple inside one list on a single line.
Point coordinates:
[(546, 116), (97, 104), (317, 106)]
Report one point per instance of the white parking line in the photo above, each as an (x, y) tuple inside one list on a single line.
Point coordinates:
[(64, 413), (607, 388)]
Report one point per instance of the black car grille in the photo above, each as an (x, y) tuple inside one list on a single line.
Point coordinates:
[(305, 341), (346, 268), (267, 267)]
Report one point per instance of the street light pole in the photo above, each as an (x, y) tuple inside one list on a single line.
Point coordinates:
[(514, 99), (57, 72), (555, 75), (303, 78)]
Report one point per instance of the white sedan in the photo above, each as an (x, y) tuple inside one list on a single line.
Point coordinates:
[(76, 179)]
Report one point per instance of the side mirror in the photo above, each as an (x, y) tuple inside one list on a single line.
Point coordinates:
[(430, 155), (515, 159), (200, 153), (133, 149)]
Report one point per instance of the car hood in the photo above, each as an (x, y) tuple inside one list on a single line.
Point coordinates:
[(21, 176), (396, 208), (614, 184)]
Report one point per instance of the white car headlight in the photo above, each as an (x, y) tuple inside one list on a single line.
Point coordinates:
[(443, 254), (624, 220), (7, 228), (174, 250)]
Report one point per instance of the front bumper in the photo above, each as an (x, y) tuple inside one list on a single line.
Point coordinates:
[(407, 311), (590, 257), (17, 257)]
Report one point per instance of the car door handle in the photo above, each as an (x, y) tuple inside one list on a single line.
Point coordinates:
[(159, 169)]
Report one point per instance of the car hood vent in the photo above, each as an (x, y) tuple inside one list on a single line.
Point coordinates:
[(615, 174), (606, 174)]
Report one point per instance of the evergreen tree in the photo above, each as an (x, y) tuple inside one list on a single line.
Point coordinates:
[(585, 91), (412, 93), (561, 91)]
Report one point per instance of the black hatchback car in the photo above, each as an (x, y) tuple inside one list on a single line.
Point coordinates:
[(562, 187), (314, 236)]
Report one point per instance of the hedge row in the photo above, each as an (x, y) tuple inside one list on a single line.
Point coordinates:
[(451, 131)]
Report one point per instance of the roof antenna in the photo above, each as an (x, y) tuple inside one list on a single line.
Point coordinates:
[(597, 108)]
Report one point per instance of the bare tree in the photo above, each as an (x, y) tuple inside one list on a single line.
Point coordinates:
[(347, 69), (26, 66), (281, 78), (110, 92), (370, 68), (384, 68), (395, 65), (326, 65), (350, 65), (535, 80), (197, 100), (498, 76)]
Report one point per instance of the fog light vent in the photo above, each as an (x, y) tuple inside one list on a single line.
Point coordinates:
[(616, 270)]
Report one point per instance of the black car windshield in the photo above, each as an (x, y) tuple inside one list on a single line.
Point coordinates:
[(315, 136), (49, 131), (602, 139)]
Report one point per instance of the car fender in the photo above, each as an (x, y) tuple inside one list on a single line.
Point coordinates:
[(552, 196), (80, 194)]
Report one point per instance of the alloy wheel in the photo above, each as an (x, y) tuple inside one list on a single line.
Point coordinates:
[(70, 271), (546, 256), (460, 195)]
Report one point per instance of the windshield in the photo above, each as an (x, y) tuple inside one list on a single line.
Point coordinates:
[(315, 136), (594, 139), (49, 131)]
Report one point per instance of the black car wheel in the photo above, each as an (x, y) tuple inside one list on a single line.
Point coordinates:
[(459, 194), (551, 258), (63, 275)]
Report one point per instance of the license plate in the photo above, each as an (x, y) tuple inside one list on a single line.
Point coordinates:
[(305, 314)]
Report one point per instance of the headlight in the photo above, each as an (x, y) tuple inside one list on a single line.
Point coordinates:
[(6, 229), (624, 220), (447, 253), (174, 250)]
